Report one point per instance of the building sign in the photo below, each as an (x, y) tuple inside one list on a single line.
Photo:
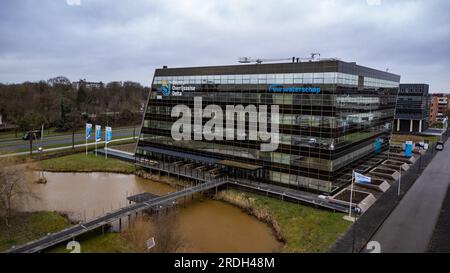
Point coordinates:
[(174, 89), (278, 88)]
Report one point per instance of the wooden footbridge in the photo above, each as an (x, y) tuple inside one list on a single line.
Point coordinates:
[(150, 203)]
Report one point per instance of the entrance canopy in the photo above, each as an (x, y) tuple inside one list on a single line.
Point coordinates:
[(181, 155)]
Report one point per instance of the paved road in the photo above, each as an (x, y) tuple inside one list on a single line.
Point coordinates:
[(410, 226), (61, 148), (18, 144)]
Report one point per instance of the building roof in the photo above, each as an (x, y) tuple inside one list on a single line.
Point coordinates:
[(329, 65)]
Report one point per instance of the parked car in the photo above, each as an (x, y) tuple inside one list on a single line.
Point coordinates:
[(440, 146), (32, 134), (420, 144)]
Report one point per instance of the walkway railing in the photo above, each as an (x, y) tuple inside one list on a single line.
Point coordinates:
[(72, 232)]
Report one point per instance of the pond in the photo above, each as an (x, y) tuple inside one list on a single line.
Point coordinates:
[(205, 225)]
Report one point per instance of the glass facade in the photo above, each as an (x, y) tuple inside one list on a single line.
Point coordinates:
[(321, 133)]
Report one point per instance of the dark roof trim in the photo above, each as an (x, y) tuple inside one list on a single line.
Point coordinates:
[(275, 68)]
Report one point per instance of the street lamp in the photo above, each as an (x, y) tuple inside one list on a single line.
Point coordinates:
[(42, 179), (357, 213), (399, 182)]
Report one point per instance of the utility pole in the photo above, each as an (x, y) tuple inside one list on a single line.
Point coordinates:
[(31, 143), (73, 138)]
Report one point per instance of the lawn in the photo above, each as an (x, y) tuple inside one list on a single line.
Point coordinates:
[(27, 226), (415, 138), (438, 125), (304, 228), (30, 226), (86, 163)]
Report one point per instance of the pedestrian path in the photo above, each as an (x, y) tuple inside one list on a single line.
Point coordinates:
[(410, 226)]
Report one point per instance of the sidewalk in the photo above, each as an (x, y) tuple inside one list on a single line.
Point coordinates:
[(372, 221), (410, 226), (440, 242)]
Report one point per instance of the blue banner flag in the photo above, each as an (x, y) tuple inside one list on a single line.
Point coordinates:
[(408, 149), (98, 133), (108, 135), (359, 178), (378, 145), (88, 130)]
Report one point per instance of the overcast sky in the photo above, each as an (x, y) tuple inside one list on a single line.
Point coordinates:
[(106, 40)]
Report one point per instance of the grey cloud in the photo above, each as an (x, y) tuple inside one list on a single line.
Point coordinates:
[(127, 40)]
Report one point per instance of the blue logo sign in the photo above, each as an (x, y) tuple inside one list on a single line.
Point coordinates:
[(278, 88), (88, 130), (166, 88), (108, 136), (98, 133)]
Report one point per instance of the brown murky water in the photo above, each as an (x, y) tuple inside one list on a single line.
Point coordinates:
[(206, 225)]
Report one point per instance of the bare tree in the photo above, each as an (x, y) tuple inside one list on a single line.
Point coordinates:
[(167, 234), (13, 187), (163, 227), (137, 234)]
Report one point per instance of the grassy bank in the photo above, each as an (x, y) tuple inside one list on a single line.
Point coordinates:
[(99, 243), (26, 227), (30, 226), (85, 163), (302, 228)]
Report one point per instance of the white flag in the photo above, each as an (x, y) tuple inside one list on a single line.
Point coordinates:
[(359, 178)]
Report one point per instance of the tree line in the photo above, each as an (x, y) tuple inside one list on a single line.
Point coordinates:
[(56, 103)]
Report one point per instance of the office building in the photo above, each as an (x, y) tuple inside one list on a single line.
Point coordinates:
[(331, 113), (412, 115)]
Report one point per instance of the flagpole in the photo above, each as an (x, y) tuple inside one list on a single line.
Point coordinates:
[(351, 196), (106, 144), (85, 136)]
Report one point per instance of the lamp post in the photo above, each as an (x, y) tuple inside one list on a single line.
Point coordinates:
[(357, 212), (399, 182), (42, 179)]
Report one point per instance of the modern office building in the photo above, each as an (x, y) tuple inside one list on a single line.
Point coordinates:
[(412, 115), (331, 114)]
